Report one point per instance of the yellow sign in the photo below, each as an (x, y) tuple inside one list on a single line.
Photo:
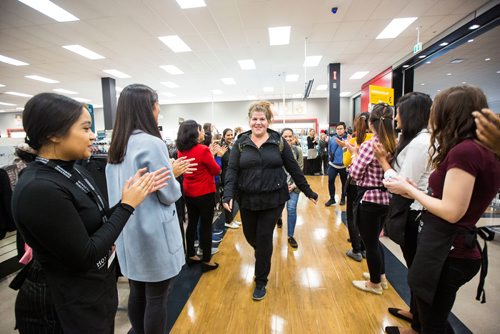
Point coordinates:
[(381, 95)]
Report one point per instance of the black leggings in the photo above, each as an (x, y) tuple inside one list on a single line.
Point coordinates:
[(147, 306), (370, 222), (200, 207), (356, 242), (258, 227), (455, 273)]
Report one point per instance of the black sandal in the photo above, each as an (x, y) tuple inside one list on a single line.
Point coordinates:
[(395, 312), (392, 330)]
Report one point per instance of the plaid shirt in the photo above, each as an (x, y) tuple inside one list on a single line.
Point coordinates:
[(366, 171)]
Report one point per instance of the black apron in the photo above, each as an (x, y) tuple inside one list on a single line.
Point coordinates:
[(397, 216), (435, 239), (357, 201)]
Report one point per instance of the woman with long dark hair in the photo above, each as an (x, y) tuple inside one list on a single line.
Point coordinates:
[(199, 191), (371, 203), (70, 284), (150, 250), (465, 179), (410, 160)]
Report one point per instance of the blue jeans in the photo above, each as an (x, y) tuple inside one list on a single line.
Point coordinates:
[(291, 209)]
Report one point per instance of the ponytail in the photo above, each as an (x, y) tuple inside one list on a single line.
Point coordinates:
[(382, 118)]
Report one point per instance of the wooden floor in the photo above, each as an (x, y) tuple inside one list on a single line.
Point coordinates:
[(309, 289)]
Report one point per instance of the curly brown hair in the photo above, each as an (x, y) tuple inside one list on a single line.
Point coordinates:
[(451, 119)]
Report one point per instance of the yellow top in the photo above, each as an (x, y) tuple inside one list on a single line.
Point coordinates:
[(347, 155)]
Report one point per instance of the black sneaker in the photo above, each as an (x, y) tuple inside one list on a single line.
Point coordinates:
[(342, 201), (292, 242), (259, 293), (330, 202)]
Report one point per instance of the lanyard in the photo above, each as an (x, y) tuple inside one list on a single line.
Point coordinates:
[(85, 186)]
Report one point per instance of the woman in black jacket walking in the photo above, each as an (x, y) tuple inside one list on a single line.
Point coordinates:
[(255, 177)]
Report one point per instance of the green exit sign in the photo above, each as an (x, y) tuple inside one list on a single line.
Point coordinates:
[(417, 48)]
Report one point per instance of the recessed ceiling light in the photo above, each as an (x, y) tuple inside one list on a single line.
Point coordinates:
[(82, 51), (463, 82), (312, 61), (117, 74), (268, 89), (216, 91), (7, 104), (168, 94), (39, 78), (395, 27), (498, 72), (51, 10), (291, 77), (428, 62), (83, 100), (279, 35), (19, 94), (175, 43), (422, 84), (228, 81), (422, 56), (456, 61), (406, 66), (321, 87), (186, 4), (439, 90), (172, 69), (448, 73), (443, 44), (358, 75), (470, 41), (487, 59), (12, 61), (2, 85), (64, 91), (474, 26), (247, 64), (345, 94), (170, 84)]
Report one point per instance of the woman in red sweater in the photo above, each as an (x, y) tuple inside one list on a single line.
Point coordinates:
[(199, 191)]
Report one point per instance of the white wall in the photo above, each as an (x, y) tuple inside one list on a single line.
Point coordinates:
[(222, 114)]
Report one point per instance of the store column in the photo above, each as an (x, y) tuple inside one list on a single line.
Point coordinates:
[(333, 94), (108, 102)]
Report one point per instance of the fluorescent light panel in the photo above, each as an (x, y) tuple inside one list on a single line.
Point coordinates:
[(358, 75), (345, 94), (83, 100), (170, 84), (268, 89), (18, 94), (474, 26), (186, 4), (175, 43), (395, 27), (312, 61), (292, 77), (247, 64), (321, 87), (2, 85), (7, 104), (172, 69), (39, 78), (64, 91), (82, 51), (50, 9), (117, 74), (228, 81), (279, 35), (12, 61)]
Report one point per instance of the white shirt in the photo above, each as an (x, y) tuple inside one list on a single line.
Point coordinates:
[(412, 163)]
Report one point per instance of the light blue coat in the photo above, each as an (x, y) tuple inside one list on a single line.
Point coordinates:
[(149, 249)]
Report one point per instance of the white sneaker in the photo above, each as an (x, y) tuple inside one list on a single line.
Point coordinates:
[(363, 285), (384, 283), (199, 252), (237, 222), (232, 225), (215, 250)]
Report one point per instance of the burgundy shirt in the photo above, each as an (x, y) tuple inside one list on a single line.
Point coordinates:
[(201, 181), (476, 160)]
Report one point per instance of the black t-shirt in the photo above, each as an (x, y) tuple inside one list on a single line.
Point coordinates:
[(63, 226)]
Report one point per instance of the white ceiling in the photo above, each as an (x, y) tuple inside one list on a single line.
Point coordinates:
[(126, 32)]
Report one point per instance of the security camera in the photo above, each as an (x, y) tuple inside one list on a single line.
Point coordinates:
[(334, 10)]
